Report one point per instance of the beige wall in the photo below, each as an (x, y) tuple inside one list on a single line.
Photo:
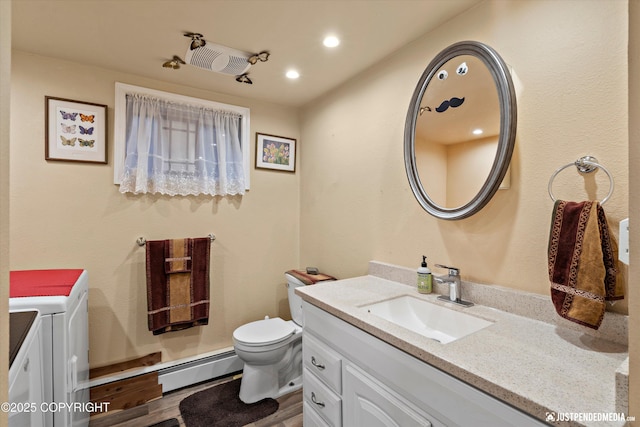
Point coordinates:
[(634, 208), (5, 85), (70, 215), (357, 205), (469, 165), (433, 168)]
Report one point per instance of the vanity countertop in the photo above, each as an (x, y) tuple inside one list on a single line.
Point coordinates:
[(535, 366)]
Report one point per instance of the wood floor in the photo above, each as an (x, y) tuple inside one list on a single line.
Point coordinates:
[(289, 413)]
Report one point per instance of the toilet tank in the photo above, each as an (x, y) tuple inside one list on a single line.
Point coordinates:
[(295, 302)]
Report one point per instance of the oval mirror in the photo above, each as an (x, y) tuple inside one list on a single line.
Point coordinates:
[(460, 130)]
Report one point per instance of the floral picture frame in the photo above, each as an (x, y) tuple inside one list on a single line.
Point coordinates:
[(275, 152), (75, 131)]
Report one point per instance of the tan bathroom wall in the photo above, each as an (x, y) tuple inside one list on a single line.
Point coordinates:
[(5, 88), (469, 165), (571, 60), (71, 215), (634, 209)]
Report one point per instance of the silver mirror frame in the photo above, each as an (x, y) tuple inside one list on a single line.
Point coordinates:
[(506, 141)]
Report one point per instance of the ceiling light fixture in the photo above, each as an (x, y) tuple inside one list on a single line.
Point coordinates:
[(174, 63), (221, 59), (331, 41), (244, 78), (196, 40), (262, 57), (292, 74), (478, 131)]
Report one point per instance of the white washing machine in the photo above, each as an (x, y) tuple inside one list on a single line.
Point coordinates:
[(61, 297), (25, 370)]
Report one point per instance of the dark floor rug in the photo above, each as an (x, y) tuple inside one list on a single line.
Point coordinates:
[(173, 422), (220, 406)]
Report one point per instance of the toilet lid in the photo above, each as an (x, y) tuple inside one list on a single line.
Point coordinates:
[(262, 332)]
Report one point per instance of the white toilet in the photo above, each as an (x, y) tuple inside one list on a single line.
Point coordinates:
[(271, 350)]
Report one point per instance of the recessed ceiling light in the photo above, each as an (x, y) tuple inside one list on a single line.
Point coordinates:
[(477, 132), (292, 74), (331, 41)]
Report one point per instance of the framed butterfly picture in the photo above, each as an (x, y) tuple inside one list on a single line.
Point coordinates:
[(75, 131)]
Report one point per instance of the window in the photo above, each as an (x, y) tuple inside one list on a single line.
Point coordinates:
[(177, 145)]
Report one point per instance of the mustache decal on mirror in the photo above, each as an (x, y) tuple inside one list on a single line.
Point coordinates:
[(453, 103)]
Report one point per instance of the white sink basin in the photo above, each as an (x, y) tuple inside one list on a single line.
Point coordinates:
[(431, 320)]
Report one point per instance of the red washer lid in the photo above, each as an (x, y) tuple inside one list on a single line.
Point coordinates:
[(42, 283)]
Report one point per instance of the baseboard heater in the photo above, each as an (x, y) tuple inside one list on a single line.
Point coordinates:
[(196, 371), (184, 372)]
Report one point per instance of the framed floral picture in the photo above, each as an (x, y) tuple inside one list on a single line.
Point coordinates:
[(275, 152), (75, 131)]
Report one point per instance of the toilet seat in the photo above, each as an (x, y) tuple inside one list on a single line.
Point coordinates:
[(263, 332)]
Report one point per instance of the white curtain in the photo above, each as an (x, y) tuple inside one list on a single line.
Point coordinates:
[(181, 149)]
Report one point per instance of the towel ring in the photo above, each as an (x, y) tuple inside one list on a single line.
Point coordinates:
[(586, 164)]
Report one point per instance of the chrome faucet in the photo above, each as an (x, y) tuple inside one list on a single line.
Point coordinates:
[(455, 290)]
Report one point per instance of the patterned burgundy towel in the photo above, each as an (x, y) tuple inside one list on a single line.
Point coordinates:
[(582, 262), (177, 283)]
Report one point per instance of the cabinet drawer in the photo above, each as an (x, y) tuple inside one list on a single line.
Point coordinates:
[(319, 397), (310, 417), (323, 362)]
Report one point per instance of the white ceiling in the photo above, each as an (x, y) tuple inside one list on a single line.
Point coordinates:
[(137, 36)]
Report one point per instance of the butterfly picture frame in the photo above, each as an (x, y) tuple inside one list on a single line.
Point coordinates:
[(75, 131)]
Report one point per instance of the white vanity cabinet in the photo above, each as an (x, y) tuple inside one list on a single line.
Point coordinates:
[(354, 379)]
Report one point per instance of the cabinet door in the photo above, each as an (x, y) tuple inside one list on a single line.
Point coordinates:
[(368, 403)]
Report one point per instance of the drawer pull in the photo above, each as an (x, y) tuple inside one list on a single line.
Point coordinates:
[(316, 364), (314, 400)]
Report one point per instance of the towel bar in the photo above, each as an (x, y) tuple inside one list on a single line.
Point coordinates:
[(141, 241), (586, 164)]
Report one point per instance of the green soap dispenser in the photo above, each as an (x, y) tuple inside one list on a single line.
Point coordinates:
[(425, 280)]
